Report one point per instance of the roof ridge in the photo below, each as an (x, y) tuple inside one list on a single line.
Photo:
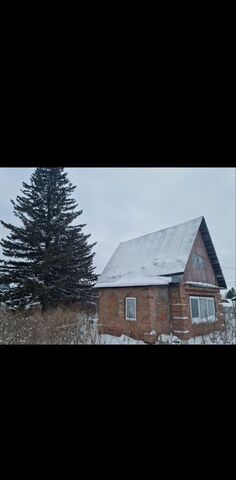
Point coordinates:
[(162, 229)]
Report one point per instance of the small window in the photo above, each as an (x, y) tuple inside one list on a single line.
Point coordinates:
[(130, 313), (198, 262), (202, 309)]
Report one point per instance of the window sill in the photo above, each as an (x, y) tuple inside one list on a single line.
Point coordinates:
[(204, 322)]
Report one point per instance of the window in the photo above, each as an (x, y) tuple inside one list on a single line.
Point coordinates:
[(211, 307), (202, 309), (194, 306), (130, 310), (198, 262)]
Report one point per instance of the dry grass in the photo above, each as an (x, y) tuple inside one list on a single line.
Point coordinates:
[(61, 325)]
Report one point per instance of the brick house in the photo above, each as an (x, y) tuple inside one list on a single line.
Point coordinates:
[(163, 282)]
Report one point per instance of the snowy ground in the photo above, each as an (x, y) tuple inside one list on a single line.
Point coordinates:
[(216, 338), (123, 340), (165, 340)]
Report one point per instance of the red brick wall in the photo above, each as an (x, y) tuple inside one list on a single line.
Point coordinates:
[(163, 309), (159, 309), (152, 311), (180, 311)]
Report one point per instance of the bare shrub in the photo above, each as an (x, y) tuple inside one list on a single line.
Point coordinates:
[(221, 337), (61, 325)]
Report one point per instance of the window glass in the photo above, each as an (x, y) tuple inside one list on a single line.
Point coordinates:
[(211, 307), (131, 308), (198, 262), (203, 307), (194, 306)]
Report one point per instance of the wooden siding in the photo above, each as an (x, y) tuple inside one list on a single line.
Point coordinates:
[(206, 274)]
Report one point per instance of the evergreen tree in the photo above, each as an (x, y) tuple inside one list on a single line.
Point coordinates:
[(231, 293), (51, 260)]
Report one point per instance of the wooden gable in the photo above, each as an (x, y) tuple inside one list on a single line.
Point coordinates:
[(199, 270)]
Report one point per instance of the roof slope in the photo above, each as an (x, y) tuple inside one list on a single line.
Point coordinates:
[(143, 260), (212, 254)]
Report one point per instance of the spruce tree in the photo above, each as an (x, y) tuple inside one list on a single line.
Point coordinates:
[(231, 293), (51, 261)]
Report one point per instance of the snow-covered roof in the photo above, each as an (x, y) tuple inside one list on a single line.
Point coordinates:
[(143, 260), (202, 284), (227, 302), (134, 279)]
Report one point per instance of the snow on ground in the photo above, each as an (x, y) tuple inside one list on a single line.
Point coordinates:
[(123, 340), (215, 338)]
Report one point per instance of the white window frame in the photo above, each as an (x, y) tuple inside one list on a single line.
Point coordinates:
[(210, 318), (126, 316)]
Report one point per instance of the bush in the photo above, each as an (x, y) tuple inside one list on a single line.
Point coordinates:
[(61, 325)]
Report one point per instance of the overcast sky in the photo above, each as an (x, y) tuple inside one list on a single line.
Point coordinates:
[(119, 204)]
